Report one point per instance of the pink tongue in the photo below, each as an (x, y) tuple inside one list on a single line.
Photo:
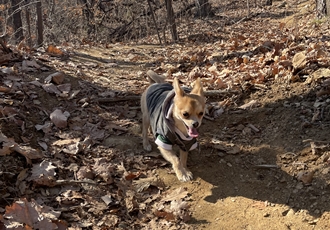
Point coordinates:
[(192, 132)]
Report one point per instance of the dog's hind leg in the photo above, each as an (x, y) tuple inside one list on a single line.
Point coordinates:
[(145, 124)]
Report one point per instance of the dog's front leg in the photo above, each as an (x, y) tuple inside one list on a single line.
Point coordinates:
[(180, 170), (183, 159)]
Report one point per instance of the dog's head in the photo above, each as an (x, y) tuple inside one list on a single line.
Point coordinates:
[(189, 108)]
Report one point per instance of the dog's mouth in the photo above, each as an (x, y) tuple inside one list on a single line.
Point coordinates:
[(192, 132)]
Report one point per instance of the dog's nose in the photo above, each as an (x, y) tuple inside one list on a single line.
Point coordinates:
[(195, 124)]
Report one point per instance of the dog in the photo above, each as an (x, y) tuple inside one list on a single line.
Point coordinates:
[(174, 114)]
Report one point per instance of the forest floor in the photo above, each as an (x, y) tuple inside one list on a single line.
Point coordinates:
[(71, 152)]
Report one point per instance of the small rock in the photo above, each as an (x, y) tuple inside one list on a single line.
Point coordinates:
[(299, 186), (221, 154), (240, 127), (266, 214), (222, 161), (291, 212)]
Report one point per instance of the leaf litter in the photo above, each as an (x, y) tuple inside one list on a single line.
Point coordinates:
[(58, 120)]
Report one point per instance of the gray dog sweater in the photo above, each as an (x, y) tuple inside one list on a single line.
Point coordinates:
[(160, 105)]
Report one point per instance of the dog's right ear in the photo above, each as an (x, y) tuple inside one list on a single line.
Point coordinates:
[(177, 89)]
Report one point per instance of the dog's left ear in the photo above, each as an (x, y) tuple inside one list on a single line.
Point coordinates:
[(198, 88)]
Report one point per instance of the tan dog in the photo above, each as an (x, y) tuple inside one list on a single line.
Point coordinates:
[(174, 117)]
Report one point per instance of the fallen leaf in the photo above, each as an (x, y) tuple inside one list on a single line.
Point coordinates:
[(143, 184), (51, 88), (249, 105), (57, 78), (29, 215), (103, 169), (46, 128), (9, 145), (178, 193), (43, 173), (59, 118), (54, 51), (299, 60), (166, 215), (318, 74)]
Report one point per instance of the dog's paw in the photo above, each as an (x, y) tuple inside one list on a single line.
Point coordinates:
[(147, 147), (184, 175)]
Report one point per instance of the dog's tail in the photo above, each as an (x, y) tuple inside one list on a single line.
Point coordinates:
[(154, 77)]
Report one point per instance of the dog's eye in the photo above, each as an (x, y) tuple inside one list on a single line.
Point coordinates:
[(185, 114), (201, 114)]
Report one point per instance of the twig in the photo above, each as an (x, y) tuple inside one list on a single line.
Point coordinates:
[(61, 182)]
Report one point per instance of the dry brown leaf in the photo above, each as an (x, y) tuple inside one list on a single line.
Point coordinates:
[(130, 201), (85, 172), (64, 88), (73, 148), (66, 141), (180, 209), (166, 215), (51, 88), (318, 74), (195, 73), (28, 152), (4, 89), (177, 194), (29, 215), (59, 118), (54, 51), (8, 111), (132, 176), (143, 184), (94, 131), (46, 128), (9, 145), (103, 169), (57, 78), (299, 60), (249, 105), (30, 66), (43, 173), (229, 148)]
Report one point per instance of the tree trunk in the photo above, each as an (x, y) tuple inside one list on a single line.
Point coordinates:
[(17, 20), (321, 8), (40, 27), (171, 20), (269, 2), (155, 22), (204, 8), (28, 23), (89, 15)]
